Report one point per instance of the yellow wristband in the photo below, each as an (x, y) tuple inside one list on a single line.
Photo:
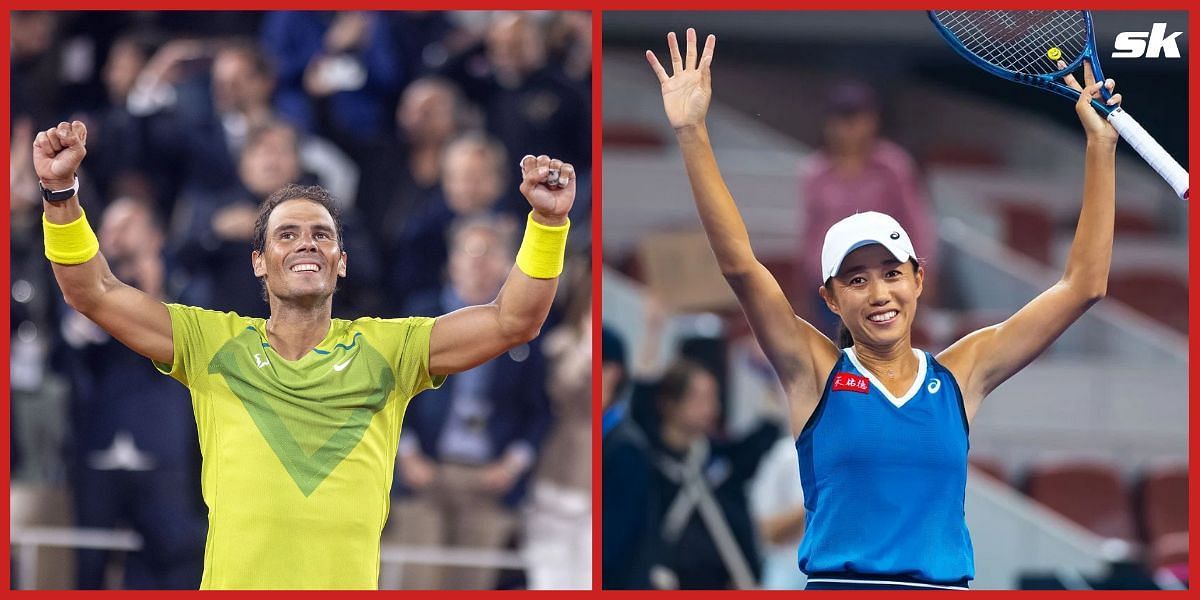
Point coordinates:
[(542, 249), (70, 244)]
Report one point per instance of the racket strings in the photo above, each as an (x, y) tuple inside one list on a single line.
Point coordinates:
[(1018, 41)]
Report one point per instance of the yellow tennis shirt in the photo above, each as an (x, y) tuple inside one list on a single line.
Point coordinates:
[(298, 455)]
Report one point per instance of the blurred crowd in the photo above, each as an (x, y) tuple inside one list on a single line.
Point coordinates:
[(415, 121)]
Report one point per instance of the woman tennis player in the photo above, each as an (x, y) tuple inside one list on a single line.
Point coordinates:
[(881, 427)]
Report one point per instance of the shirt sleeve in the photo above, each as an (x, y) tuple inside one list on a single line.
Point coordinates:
[(412, 365), (186, 334)]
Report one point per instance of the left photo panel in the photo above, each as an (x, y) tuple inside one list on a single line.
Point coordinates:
[(300, 300)]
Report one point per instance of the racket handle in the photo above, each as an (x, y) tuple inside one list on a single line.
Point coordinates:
[(1175, 175)]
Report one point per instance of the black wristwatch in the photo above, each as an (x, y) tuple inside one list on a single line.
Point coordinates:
[(59, 195)]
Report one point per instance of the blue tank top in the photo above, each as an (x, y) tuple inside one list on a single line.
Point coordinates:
[(885, 477)]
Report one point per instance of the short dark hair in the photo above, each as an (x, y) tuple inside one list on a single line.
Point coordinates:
[(253, 52), (291, 191), (673, 385)]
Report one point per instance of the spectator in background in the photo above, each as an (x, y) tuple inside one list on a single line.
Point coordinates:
[(615, 377), (427, 39), (119, 136), (472, 184), (38, 390), (407, 171), (558, 540), (776, 496), (527, 102), (777, 503), (464, 461), (219, 122), (213, 231), (135, 460), (339, 72), (570, 45), (708, 539), (631, 514), (35, 63), (858, 170)]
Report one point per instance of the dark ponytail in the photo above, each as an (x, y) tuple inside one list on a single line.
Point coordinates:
[(844, 339)]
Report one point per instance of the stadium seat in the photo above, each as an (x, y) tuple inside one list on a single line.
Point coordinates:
[(1161, 296), (990, 466), (1133, 222), (1163, 502), (1088, 493), (632, 135), (1028, 228)]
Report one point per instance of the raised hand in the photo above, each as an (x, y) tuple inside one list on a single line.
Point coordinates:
[(549, 186), (57, 153), (1097, 127), (687, 91)]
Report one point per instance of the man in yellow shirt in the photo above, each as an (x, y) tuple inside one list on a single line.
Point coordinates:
[(299, 414)]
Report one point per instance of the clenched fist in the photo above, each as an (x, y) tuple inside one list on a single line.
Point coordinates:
[(549, 186), (57, 153)]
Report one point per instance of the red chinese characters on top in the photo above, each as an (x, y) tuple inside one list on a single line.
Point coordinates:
[(850, 382)]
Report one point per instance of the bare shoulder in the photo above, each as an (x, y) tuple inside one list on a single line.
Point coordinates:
[(962, 360), (961, 356)]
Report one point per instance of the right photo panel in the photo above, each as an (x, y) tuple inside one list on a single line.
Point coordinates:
[(895, 300)]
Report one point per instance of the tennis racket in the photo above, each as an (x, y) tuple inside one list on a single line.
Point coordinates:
[(1025, 46)]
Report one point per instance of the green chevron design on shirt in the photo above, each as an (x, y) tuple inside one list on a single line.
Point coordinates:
[(310, 413)]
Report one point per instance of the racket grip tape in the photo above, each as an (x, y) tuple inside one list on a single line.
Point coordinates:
[(1170, 170)]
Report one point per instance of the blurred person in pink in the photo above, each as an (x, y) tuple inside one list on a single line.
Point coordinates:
[(859, 170)]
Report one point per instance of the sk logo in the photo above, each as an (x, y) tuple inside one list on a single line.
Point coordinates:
[(934, 386), (260, 361)]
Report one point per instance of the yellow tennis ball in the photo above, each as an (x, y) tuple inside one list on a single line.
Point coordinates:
[(1054, 53)]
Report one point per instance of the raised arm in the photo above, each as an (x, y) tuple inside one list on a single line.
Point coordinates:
[(471, 336), (88, 285), (800, 354), (986, 358)]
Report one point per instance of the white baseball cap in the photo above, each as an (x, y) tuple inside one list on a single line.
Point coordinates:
[(862, 229)]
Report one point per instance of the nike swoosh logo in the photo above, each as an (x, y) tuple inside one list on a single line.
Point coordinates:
[(340, 366)]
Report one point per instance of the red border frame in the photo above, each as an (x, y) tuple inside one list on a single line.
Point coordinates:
[(597, 7)]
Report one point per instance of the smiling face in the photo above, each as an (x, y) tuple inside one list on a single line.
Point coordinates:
[(301, 258), (875, 295)]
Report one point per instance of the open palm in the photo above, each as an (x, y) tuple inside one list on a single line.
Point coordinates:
[(686, 93)]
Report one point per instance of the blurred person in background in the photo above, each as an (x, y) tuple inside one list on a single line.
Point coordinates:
[(407, 170), (630, 518), (119, 136), (38, 381), (777, 504), (858, 170), (707, 537), (526, 100), (214, 231), (569, 42), (135, 460), (219, 122), (463, 467), (558, 518), (472, 184), (340, 73), (35, 63)]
